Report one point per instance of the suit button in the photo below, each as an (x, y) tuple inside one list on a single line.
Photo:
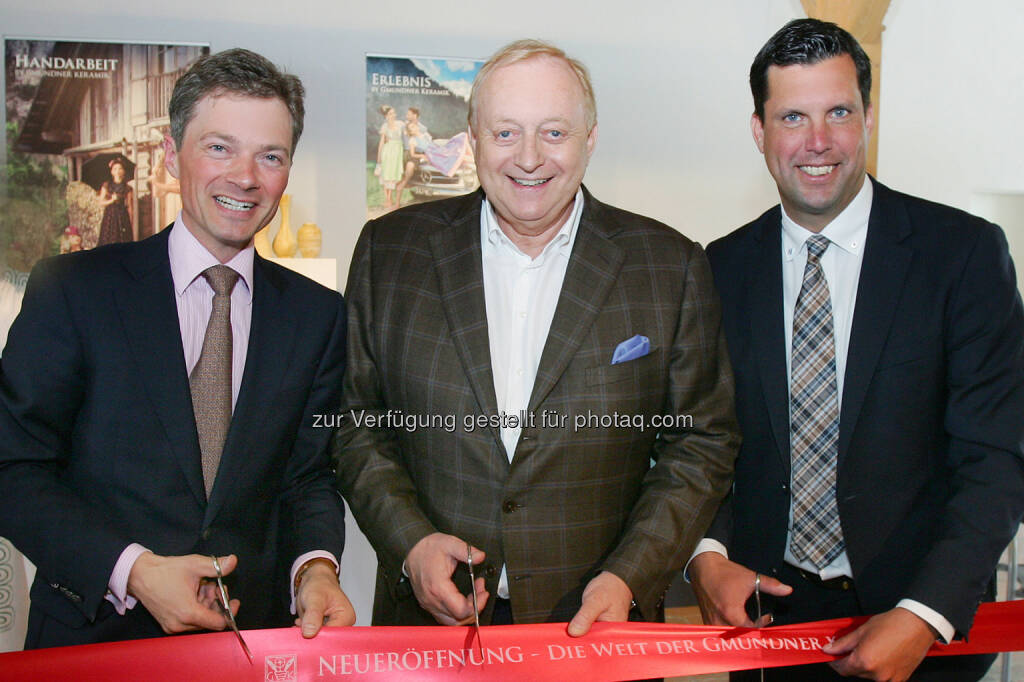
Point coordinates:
[(785, 488), (509, 506), (206, 534), (490, 571)]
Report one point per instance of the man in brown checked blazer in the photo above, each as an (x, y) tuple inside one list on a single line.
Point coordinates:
[(518, 358)]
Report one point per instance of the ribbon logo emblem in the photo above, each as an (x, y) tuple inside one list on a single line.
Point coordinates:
[(280, 668)]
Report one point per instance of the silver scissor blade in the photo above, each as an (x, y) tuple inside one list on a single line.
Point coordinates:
[(241, 640), (472, 588), (225, 607)]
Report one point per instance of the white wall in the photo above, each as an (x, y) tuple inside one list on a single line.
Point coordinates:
[(671, 81)]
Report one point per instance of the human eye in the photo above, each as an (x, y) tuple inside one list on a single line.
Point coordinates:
[(217, 148), (506, 135), (840, 112), (792, 118)]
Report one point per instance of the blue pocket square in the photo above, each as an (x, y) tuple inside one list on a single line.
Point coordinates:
[(631, 349)]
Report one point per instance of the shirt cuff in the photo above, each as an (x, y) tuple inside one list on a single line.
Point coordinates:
[(705, 545), (117, 586), (945, 629), (297, 564)]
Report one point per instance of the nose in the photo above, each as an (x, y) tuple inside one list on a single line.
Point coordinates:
[(819, 137), (529, 155), (242, 172)]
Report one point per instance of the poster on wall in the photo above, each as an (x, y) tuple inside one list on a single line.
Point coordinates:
[(84, 128), (417, 140)]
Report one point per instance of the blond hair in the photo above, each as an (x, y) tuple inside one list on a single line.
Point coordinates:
[(529, 48)]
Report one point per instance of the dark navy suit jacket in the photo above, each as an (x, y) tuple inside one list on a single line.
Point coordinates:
[(930, 480), (99, 446)]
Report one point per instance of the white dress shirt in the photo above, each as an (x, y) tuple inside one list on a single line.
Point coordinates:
[(840, 264), (521, 294)]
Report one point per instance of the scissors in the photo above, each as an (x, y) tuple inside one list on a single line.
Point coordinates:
[(225, 607), (472, 588), (757, 602)]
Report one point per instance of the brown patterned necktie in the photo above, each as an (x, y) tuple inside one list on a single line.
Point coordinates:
[(814, 418), (211, 377)]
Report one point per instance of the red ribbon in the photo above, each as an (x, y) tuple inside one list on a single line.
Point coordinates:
[(611, 651)]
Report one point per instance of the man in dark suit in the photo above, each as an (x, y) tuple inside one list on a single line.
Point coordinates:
[(878, 346), (486, 403), (151, 419)]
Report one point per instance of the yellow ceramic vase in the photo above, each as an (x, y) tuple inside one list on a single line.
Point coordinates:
[(310, 240), (284, 242), (262, 243)]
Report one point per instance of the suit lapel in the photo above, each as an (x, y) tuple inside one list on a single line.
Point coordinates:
[(593, 268), (768, 337), (882, 274), (271, 341), (458, 261), (150, 318)]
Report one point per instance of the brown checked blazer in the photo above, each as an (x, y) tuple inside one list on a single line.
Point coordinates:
[(632, 498)]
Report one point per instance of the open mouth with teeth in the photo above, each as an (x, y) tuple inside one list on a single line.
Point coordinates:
[(818, 170), (234, 205), (523, 182)]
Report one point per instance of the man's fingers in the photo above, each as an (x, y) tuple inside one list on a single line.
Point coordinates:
[(843, 645), (584, 618), (774, 586), (228, 563), (478, 556), (340, 617)]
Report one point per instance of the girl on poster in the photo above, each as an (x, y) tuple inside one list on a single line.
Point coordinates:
[(389, 157), (116, 199)]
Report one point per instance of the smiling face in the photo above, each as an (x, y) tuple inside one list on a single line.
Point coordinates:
[(814, 138), (117, 173), (531, 143), (233, 167)]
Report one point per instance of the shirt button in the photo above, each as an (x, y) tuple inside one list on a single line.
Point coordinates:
[(490, 571), (509, 506)]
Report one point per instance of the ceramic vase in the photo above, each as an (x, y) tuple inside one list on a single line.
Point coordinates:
[(284, 242), (262, 243), (310, 240)]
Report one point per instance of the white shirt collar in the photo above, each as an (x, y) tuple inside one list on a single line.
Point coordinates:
[(492, 234), (848, 230), (189, 258)]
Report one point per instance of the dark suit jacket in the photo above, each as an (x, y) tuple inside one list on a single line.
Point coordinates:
[(930, 480), (571, 503), (99, 446)]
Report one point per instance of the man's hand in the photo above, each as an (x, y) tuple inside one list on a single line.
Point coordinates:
[(606, 598), (172, 590), (430, 565), (723, 588), (888, 647), (320, 600)]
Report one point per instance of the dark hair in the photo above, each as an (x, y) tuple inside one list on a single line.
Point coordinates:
[(807, 41), (240, 72)]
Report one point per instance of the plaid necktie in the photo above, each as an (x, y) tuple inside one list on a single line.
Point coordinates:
[(814, 418), (211, 377)]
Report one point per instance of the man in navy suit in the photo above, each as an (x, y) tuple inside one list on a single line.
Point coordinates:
[(110, 487), (878, 345)]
